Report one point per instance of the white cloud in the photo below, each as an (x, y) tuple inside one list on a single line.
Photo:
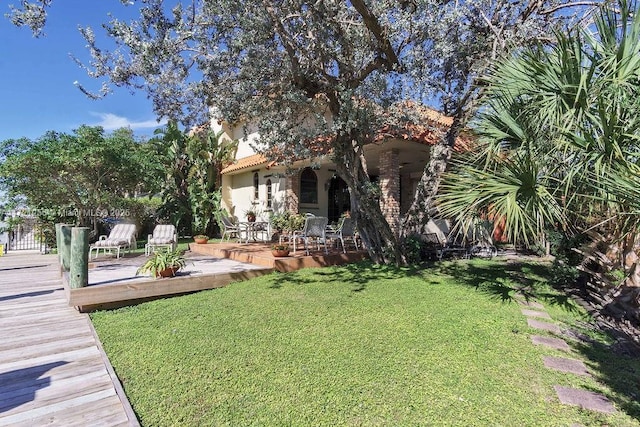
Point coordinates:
[(111, 122)]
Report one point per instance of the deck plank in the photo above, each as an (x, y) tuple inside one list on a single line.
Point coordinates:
[(52, 369)]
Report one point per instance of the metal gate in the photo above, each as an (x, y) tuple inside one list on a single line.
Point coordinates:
[(25, 236)]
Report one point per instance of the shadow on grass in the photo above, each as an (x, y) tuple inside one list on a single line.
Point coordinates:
[(359, 275), (503, 280), (620, 373)]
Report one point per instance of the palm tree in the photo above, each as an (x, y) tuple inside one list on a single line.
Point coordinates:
[(558, 135)]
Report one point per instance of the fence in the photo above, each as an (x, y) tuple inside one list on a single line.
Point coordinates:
[(25, 236)]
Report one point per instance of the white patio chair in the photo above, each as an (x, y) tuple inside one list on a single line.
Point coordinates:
[(122, 236), (314, 228), (164, 236), (346, 230), (230, 228)]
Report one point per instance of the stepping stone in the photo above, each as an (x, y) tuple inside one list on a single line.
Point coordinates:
[(566, 365), (533, 313), (584, 399), (545, 326), (556, 343), (531, 304)]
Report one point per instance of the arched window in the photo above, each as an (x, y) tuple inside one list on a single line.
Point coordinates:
[(256, 193), (308, 186), (269, 194)]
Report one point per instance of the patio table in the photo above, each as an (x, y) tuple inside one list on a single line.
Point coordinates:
[(251, 230)]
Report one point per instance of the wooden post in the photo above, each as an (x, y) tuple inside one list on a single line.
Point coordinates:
[(65, 246), (79, 272), (59, 241)]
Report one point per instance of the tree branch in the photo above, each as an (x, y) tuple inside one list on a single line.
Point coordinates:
[(567, 5), (371, 22)]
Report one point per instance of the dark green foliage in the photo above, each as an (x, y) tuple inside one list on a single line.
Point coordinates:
[(77, 178), (562, 243), (414, 249), (563, 275), (192, 163)]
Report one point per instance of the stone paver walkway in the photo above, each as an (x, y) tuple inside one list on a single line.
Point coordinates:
[(567, 395)]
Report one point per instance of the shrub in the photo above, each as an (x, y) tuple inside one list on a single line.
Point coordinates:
[(413, 248), (287, 221), (563, 275)]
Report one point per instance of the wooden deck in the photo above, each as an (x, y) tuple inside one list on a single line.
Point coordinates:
[(260, 254), (112, 295), (53, 370)]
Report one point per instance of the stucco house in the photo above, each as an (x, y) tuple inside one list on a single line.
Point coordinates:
[(395, 160)]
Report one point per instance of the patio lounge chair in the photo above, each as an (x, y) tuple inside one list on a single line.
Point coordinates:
[(122, 236), (346, 230), (164, 236), (314, 228)]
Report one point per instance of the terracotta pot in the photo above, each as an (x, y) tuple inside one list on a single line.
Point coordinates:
[(167, 272), (279, 252), (201, 241), (251, 218)]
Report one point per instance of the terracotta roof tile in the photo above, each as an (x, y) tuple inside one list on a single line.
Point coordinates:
[(429, 131), (248, 162)]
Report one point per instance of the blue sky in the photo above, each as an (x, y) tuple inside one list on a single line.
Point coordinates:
[(37, 75)]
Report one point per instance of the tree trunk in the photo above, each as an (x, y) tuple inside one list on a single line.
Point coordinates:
[(374, 230), (423, 206), (630, 262)]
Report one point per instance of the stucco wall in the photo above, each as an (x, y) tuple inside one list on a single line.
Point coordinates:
[(238, 193)]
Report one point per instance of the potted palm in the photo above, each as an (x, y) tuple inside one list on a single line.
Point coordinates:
[(251, 215), (163, 263)]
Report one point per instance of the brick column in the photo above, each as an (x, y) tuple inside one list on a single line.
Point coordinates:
[(292, 189), (390, 187)]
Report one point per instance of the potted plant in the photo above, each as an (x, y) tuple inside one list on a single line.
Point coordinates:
[(280, 250), (200, 238), (251, 215), (163, 263)]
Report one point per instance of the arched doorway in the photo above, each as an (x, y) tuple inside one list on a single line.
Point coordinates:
[(339, 201)]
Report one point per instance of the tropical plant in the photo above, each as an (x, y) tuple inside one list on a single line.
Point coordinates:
[(251, 214), (171, 148), (193, 164), (560, 153), (559, 142), (161, 260)]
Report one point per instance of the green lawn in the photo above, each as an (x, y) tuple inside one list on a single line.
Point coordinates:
[(360, 345)]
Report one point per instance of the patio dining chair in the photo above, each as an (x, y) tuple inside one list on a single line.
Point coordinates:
[(230, 228), (314, 228), (346, 230)]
